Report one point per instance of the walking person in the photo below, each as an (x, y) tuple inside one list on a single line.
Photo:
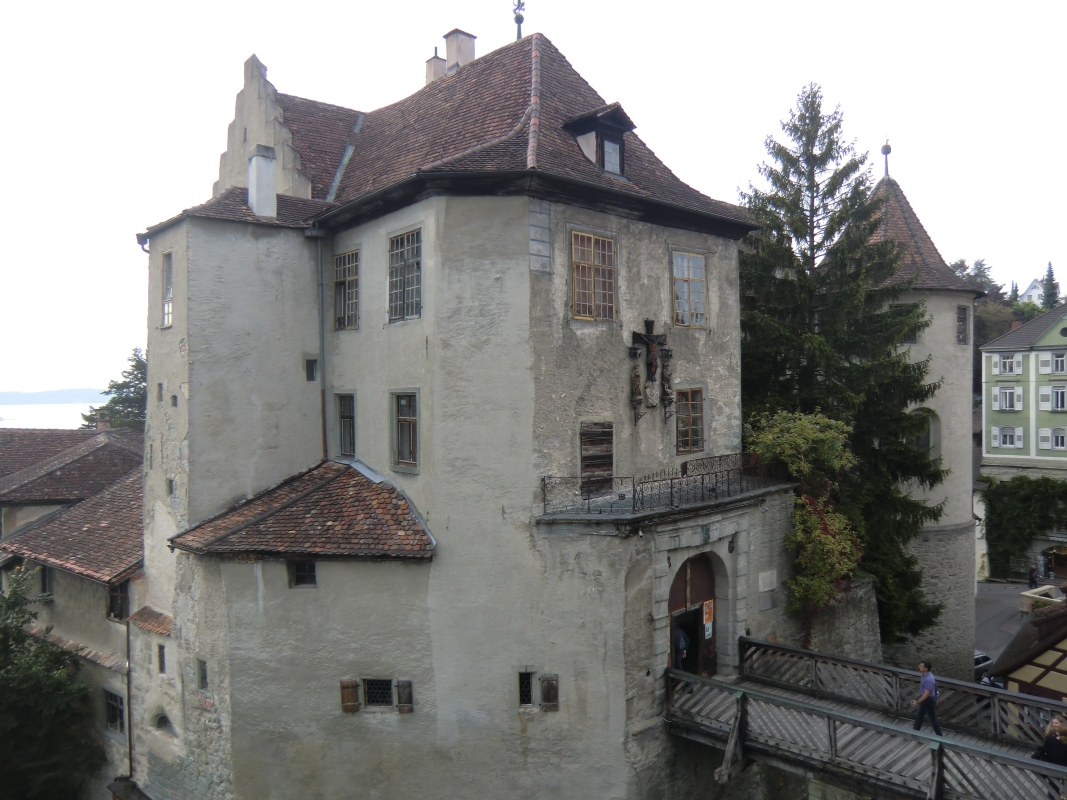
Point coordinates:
[(681, 645), (927, 702), (1033, 576)]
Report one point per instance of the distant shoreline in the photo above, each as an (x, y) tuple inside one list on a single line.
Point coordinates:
[(55, 396)]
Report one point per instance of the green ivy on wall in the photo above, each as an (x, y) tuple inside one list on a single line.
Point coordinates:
[(1016, 512)]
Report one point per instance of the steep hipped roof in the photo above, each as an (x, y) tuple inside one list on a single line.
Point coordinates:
[(1025, 335), (330, 510), (920, 258), (232, 205), (1041, 630), (100, 538), (76, 472), (23, 447), (501, 115)]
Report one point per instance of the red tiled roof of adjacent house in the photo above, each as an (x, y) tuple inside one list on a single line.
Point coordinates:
[(108, 660), (232, 205), (152, 620), (23, 447), (330, 510), (919, 256), (100, 538), (1042, 629), (76, 472)]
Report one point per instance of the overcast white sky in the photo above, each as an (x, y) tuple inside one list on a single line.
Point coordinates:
[(117, 113)]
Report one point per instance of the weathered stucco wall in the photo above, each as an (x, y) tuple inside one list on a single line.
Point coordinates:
[(15, 518)]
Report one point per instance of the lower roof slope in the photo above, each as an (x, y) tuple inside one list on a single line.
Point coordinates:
[(330, 510), (101, 538), (23, 447)]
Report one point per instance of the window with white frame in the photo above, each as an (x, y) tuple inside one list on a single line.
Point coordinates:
[(1059, 438), (1059, 362), (346, 291), (1059, 398), (688, 271), (405, 276), (1008, 364), (168, 290), (1007, 398), (1007, 437)]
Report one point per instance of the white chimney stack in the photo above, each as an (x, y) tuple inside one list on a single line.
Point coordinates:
[(435, 68), (262, 194), (459, 49)]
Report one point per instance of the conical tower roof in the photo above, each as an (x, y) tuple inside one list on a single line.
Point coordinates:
[(919, 256)]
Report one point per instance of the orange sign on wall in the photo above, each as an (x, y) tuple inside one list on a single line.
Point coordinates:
[(709, 618)]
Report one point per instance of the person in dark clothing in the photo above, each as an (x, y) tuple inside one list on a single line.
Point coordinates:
[(1054, 748), (681, 644), (927, 702), (1033, 576)]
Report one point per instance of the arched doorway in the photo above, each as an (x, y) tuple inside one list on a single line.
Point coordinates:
[(691, 606)]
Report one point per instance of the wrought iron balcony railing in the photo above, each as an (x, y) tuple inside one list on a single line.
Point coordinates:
[(698, 481)]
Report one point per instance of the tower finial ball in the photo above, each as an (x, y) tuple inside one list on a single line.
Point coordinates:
[(886, 149)]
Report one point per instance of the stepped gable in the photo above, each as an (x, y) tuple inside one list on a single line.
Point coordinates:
[(24, 447), (919, 256), (76, 472), (321, 133), (100, 538), (330, 510), (1024, 336)]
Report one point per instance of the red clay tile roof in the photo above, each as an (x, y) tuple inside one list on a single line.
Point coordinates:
[(77, 472), (100, 538), (23, 447), (321, 132), (330, 510), (232, 205), (920, 258), (504, 112), (109, 660), (152, 620)]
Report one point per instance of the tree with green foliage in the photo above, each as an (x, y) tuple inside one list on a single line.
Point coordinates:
[(814, 450), (1026, 311), (822, 328), (50, 746), (1050, 290), (1013, 295), (1016, 511), (978, 275), (129, 397)]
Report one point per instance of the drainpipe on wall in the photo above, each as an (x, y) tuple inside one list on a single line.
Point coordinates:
[(322, 346), (129, 701)]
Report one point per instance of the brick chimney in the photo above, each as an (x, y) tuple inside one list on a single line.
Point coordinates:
[(459, 49), (1016, 323), (262, 194), (103, 419), (435, 68)]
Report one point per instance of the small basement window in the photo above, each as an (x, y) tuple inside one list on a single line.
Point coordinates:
[(378, 691), (302, 573), (526, 688)]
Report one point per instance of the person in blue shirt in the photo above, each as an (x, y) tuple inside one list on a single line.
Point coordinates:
[(681, 645), (927, 702)]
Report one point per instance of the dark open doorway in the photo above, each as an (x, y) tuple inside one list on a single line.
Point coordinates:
[(691, 606)]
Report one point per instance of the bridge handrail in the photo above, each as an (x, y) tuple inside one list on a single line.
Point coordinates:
[(1011, 717), (1055, 777)]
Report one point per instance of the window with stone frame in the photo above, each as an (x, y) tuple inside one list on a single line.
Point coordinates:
[(118, 600), (378, 692), (593, 277), (346, 291), (168, 290), (302, 573), (47, 582), (961, 325), (689, 421), (407, 429), (689, 283), (405, 276), (346, 423), (115, 711)]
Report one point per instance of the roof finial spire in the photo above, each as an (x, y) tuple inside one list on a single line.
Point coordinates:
[(520, 6), (886, 150)]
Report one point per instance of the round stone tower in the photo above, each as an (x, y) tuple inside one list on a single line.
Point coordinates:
[(945, 549)]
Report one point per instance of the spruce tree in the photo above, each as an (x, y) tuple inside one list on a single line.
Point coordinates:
[(1050, 295), (129, 397), (822, 330), (1013, 295)]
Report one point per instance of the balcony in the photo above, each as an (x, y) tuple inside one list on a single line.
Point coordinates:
[(698, 482)]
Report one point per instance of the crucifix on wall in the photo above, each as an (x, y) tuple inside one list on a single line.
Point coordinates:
[(655, 384)]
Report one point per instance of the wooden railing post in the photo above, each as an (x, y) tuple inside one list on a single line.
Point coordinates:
[(831, 737), (896, 693), (814, 674), (936, 758), (994, 709)]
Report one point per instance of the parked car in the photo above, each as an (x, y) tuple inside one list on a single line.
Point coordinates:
[(982, 662)]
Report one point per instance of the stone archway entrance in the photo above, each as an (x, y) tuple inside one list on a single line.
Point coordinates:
[(691, 606)]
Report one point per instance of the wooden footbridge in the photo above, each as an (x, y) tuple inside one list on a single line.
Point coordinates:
[(849, 723)]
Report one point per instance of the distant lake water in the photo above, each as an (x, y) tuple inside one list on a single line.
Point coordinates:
[(43, 415)]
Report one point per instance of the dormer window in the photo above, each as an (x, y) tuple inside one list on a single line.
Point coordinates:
[(600, 136), (611, 155)]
